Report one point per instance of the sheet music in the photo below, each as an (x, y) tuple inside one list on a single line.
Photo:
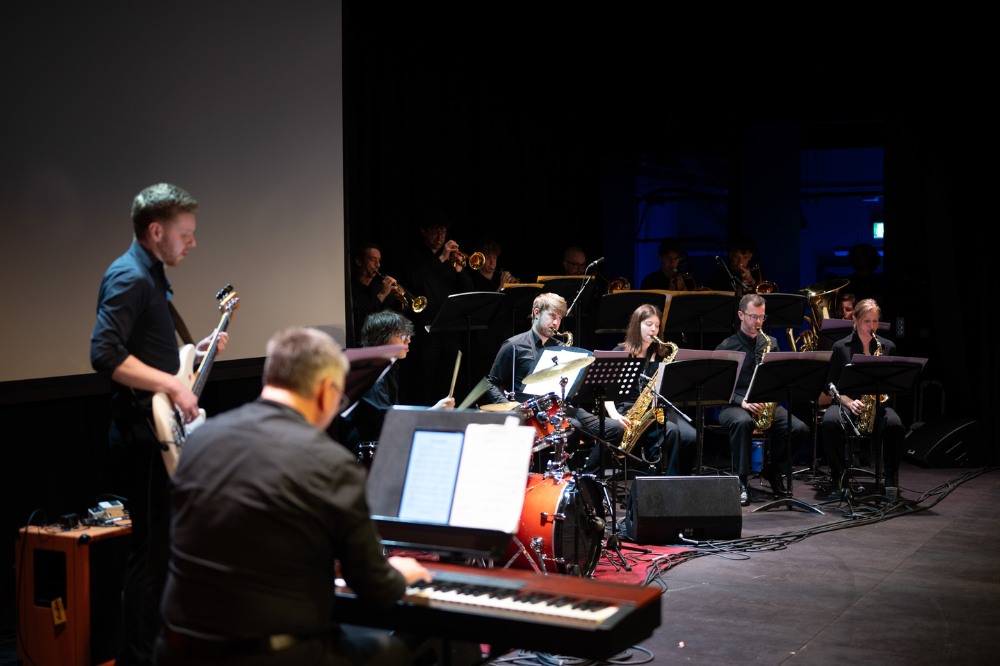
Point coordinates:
[(435, 456), (552, 385), (489, 491)]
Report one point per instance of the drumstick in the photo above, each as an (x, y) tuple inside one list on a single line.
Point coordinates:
[(454, 375)]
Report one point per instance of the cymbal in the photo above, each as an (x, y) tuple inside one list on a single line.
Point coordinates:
[(558, 370), (826, 287), (500, 407)]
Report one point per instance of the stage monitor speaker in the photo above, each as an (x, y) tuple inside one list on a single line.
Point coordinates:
[(662, 508), (946, 443), (69, 594)]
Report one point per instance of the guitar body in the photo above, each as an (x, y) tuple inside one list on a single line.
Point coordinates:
[(171, 431), (170, 428)]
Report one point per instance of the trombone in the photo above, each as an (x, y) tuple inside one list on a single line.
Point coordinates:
[(408, 300)]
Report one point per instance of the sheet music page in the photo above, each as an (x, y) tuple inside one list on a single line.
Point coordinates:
[(489, 492), (430, 477), (552, 385)]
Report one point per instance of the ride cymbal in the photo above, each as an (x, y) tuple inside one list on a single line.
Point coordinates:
[(558, 370)]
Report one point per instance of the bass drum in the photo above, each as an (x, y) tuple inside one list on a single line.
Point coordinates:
[(561, 526)]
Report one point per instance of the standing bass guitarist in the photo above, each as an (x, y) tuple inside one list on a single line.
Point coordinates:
[(134, 344)]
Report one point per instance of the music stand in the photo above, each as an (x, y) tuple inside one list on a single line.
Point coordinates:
[(518, 295), (469, 311), (784, 310), (367, 365), (619, 372), (616, 308), (700, 378), (789, 376), (875, 375), (576, 289), (832, 330), (704, 311)]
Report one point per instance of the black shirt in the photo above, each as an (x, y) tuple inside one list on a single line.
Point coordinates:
[(515, 361), (133, 317), (754, 349)]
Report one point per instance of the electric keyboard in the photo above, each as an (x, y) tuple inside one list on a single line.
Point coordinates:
[(510, 608)]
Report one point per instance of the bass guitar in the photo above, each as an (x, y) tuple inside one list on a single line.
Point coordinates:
[(171, 431)]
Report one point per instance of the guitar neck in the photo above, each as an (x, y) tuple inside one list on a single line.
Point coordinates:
[(201, 377)]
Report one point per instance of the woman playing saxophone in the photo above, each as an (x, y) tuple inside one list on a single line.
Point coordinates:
[(658, 437), (869, 416)]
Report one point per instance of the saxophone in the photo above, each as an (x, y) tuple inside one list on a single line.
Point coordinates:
[(642, 414), (866, 419), (766, 417)]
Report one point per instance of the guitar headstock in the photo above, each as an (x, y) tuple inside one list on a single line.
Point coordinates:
[(228, 299)]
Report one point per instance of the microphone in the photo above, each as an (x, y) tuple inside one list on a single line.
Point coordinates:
[(844, 412), (594, 264)]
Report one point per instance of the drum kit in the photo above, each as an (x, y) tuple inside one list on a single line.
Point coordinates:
[(563, 517)]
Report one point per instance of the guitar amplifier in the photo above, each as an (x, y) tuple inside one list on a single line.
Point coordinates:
[(68, 587)]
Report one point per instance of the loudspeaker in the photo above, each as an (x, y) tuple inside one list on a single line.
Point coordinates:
[(69, 594), (946, 443), (701, 508)]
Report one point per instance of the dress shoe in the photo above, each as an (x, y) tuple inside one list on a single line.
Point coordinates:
[(744, 494), (770, 474)]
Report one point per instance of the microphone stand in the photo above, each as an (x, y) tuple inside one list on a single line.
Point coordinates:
[(579, 292), (739, 286), (664, 400)]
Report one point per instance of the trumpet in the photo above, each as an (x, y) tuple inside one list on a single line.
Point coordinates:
[(408, 300), (475, 261)]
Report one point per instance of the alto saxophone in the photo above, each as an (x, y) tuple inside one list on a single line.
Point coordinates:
[(642, 414), (866, 419), (766, 417)]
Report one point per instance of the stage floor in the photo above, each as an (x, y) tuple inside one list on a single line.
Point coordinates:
[(908, 583)]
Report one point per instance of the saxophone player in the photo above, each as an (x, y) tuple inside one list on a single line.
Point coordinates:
[(739, 416), (888, 426), (661, 437)]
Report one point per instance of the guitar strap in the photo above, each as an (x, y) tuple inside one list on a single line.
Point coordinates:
[(182, 329)]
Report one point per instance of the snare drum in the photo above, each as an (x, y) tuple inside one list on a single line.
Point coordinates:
[(561, 526)]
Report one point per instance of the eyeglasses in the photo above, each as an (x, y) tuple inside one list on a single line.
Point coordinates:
[(753, 317)]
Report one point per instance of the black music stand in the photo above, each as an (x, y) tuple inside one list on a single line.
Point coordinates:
[(789, 376), (469, 311), (618, 372), (702, 379), (519, 295), (702, 311), (875, 375), (576, 289), (616, 308), (784, 310), (832, 330)]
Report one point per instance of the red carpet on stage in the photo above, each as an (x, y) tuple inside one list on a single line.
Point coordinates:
[(610, 568)]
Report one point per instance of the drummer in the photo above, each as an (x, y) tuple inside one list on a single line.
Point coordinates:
[(518, 356)]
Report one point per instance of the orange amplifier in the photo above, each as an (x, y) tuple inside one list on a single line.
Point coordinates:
[(68, 587)]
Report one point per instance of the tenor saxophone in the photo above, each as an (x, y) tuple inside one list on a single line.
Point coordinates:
[(866, 419), (764, 420), (642, 413)]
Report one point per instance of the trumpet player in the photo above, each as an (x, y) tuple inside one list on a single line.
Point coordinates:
[(887, 425), (432, 272), (736, 274), (371, 291)]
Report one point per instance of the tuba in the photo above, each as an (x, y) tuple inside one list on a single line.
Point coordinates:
[(766, 417), (821, 297), (618, 284), (866, 419), (642, 413)]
